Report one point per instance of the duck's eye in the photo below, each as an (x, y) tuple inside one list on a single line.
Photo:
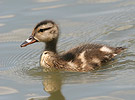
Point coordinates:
[(41, 30), (45, 53), (45, 29)]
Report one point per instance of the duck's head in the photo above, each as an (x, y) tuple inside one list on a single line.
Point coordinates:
[(45, 31)]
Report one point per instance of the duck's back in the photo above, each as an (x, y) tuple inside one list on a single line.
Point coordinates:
[(89, 49), (90, 56)]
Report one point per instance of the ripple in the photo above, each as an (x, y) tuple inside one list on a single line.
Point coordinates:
[(17, 61), (15, 35), (38, 98), (7, 16), (127, 3), (2, 24), (50, 7), (41, 1), (112, 24), (125, 27), (123, 93), (7, 90), (97, 1), (102, 98)]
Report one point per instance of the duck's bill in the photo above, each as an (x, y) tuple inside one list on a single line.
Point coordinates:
[(30, 40)]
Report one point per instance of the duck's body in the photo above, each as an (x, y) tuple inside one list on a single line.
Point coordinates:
[(83, 58)]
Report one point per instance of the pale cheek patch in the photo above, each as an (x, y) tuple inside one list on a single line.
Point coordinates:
[(105, 49), (28, 40)]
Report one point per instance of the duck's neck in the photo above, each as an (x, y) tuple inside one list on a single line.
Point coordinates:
[(51, 46)]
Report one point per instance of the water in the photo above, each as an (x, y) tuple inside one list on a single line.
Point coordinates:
[(110, 22)]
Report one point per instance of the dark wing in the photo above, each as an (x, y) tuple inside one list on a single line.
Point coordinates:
[(75, 52)]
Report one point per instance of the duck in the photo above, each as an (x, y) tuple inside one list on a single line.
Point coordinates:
[(82, 58)]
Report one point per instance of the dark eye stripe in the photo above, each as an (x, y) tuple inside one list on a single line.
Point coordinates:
[(42, 30)]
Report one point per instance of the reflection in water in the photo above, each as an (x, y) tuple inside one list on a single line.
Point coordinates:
[(2, 24), (52, 85), (53, 81), (102, 98), (7, 16), (50, 7), (127, 3), (97, 1), (7, 90), (46, 0), (124, 27), (38, 98)]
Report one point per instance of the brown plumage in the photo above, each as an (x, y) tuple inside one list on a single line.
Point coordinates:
[(83, 58)]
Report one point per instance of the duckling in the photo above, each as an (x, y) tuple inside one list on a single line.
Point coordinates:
[(82, 58)]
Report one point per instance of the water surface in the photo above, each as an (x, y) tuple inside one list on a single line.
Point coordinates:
[(110, 22)]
